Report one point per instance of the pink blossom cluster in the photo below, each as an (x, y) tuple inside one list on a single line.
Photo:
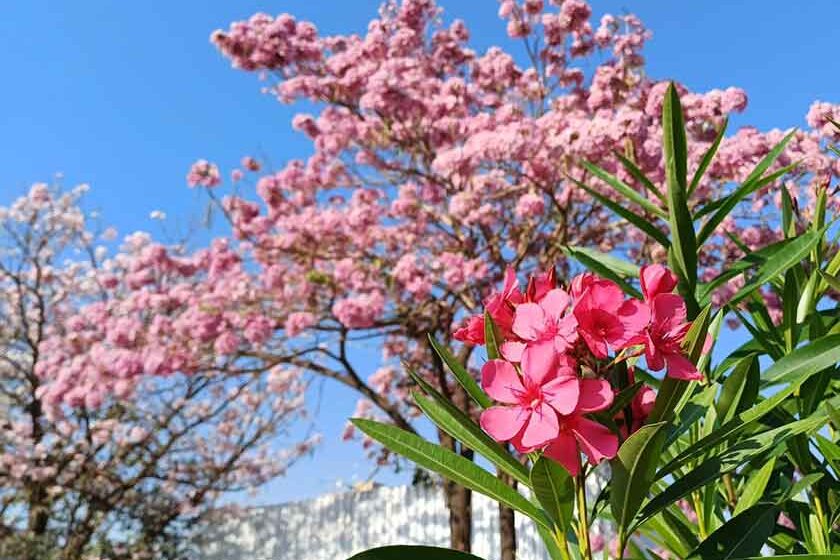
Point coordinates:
[(433, 166), (114, 404), (557, 350), (204, 174), (425, 147)]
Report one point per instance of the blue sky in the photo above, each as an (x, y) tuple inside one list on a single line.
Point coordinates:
[(125, 96)]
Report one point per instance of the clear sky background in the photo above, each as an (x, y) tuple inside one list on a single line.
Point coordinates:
[(125, 96)]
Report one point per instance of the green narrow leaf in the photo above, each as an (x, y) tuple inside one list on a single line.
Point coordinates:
[(794, 369), (831, 280), (804, 361), (554, 489), (793, 253), (550, 544), (458, 425), (752, 259), (461, 374), (617, 265), (806, 300), (754, 488), (732, 200), (727, 461), (830, 450), (707, 158), (677, 526), (834, 415), (790, 302), (449, 465), (740, 389), (741, 536), (800, 486), (683, 241), (788, 226), (793, 557), (596, 262), (662, 533), (639, 175), (491, 337), (638, 221), (752, 183), (672, 390), (697, 407), (624, 189), (624, 398), (633, 469), (770, 158), (405, 552)]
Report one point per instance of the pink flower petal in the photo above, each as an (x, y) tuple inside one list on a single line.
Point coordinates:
[(596, 440), (597, 345), (595, 395), (567, 333), (503, 422), (679, 367), (500, 380), (654, 358), (581, 283), (634, 315), (512, 350), (562, 394), (605, 295), (655, 280), (555, 303), (511, 285), (564, 450), (538, 360), (529, 321), (667, 312), (542, 426)]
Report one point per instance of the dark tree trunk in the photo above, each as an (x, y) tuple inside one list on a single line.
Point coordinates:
[(507, 525), (458, 498), (459, 502), (38, 512)]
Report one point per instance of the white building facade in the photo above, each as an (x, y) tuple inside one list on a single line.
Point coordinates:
[(336, 526)]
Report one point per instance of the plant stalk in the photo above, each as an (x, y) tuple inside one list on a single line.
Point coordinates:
[(730, 491), (562, 544), (583, 521), (698, 509)]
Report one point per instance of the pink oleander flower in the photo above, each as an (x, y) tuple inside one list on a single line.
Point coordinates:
[(548, 411), (544, 330), (663, 337), (578, 433), (531, 404), (540, 284), (500, 306), (656, 279), (605, 319), (472, 331)]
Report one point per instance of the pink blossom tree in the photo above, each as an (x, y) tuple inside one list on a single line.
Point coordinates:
[(434, 169), (120, 475)]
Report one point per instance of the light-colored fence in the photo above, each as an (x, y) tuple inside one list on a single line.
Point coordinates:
[(336, 526)]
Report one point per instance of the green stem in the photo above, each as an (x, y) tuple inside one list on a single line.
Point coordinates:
[(583, 522), (622, 543), (562, 544), (698, 509)]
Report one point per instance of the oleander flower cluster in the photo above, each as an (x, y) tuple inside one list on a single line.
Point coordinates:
[(558, 348)]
